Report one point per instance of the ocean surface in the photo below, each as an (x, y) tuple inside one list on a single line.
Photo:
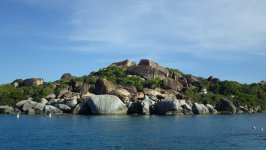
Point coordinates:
[(206, 132)]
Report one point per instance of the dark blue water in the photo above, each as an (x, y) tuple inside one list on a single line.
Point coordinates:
[(133, 132)]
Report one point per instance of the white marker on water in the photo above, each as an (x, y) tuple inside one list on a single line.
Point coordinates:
[(254, 127), (50, 115), (17, 115), (261, 129)]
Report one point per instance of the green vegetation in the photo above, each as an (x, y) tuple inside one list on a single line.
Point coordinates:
[(241, 94), (10, 95)]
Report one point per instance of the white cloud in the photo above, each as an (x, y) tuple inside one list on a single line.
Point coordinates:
[(195, 27)]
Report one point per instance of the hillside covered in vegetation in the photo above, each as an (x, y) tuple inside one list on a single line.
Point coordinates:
[(131, 82)]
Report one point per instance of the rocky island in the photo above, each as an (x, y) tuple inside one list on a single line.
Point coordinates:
[(129, 88)]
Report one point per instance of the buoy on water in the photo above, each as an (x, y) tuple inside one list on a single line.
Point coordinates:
[(261, 129), (254, 127), (50, 115), (17, 115)]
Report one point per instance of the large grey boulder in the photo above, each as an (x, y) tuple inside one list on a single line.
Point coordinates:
[(29, 105), (8, 110), (169, 83), (52, 109), (81, 108), (43, 101), (147, 106), (148, 70), (39, 107), (199, 109), (226, 106), (71, 102), (211, 109), (82, 89), (168, 107), (21, 103), (106, 105), (56, 101), (64, 108)]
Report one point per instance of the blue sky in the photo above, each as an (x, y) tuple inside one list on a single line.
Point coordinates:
[(46, 38)]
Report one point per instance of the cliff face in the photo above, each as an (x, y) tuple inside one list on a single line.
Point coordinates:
[(143, 88)]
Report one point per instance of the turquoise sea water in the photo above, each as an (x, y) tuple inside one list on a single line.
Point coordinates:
[(133, 132)]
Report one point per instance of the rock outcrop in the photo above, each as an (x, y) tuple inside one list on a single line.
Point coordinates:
[(168, 107), (199, 109), (124, 63), (32, 81), (148, 70), (106, 105), (169, 83), (226, 106), (147, 106), (82, 108), (104, 86), (8, 110), (66, 76)]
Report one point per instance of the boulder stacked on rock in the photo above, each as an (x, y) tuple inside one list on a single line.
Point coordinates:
[(148, 70)]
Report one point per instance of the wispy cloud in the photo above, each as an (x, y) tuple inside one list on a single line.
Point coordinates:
[(195, 27)]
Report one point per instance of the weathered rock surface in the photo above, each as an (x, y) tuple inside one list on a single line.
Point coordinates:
[(33, 81), (104, 86), (124, 63), (123, 94), (106, 105), (148, 70), (168, 107), (169, 83), (43, 101), (64, 108), (29, 105), (39, 107), (211, 109), (147, 106), (86, 95), (52, 109), (71, 102), (8, 110), (82, 108), (199, 109), (152, 93), (21, 103), (226, 106)]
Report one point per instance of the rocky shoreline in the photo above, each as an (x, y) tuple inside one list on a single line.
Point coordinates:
[(113, 105), (127, 88)]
